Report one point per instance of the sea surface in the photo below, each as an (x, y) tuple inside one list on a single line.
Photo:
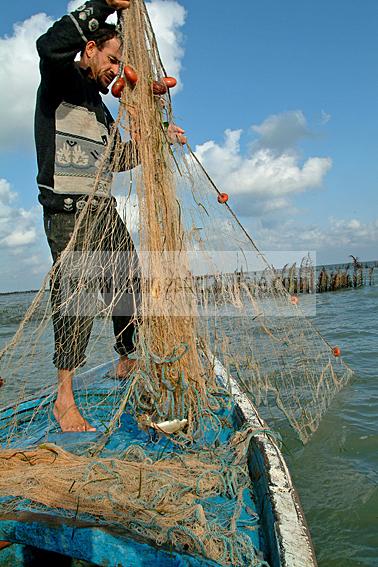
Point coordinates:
[(336, 473)]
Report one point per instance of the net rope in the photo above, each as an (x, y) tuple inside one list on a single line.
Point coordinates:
[(179, 314)]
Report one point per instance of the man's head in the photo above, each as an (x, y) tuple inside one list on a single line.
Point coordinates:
[(102, 56)]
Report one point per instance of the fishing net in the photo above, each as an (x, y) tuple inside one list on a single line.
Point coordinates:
[(196, 502), (169, 281)]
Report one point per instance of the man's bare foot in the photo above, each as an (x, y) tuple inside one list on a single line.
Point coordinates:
[(125, 367), (70, 419), (65, 409)]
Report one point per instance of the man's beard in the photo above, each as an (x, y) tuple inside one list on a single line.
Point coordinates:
[(103, 90)]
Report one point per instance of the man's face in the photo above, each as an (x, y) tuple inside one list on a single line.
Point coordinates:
[(104, 63)]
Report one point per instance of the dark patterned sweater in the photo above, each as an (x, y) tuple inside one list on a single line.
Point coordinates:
[(72, 124)]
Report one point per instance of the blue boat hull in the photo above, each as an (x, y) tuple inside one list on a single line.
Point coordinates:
[(86, 542), (282, 536)]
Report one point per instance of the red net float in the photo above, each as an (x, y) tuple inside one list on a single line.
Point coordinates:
[(222, 198), (118, 87), (4, 544), (130, 75), (159, 88), (336, 351), (294, 300), (170, 82)]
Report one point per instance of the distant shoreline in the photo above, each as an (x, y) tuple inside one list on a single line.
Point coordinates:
[(19, 292), (364, 263)]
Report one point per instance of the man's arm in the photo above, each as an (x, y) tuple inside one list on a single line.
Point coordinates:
[(58, 47), (130, 157)]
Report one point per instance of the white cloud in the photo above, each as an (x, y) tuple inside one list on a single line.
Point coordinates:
[(343, 235), (74, 5), (324, 117), (19, 74), (354, 224), (19, 78), (6, 197), (128, 210), (167, 17), (353, 231), (17, 225), (280, 132), (261, 179), (24, 256), (20, 238)]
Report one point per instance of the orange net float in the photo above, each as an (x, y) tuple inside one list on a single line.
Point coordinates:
[(170, 82), (222, 198), (294, 299), (336, 351), (130, 75), (159, 88), (118, 87), (4, 544)]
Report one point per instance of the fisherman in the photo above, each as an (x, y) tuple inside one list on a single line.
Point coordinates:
[(72, 127)]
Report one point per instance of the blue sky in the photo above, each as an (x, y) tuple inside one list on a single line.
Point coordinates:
[(295, 85)]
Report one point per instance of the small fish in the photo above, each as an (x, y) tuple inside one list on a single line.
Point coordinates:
[(169, 426)]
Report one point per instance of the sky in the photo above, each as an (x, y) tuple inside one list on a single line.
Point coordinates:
[(279, 99)]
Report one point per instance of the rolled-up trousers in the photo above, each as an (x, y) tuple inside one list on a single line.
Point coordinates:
[(101, 262)]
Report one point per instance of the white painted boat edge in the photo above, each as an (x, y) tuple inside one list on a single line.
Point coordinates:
[(296, 548)]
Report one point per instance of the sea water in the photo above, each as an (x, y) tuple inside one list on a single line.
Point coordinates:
[(336, 473)]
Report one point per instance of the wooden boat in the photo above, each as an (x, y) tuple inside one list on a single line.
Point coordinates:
[(30, 538)]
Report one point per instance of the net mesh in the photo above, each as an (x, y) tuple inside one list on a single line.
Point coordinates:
[(168, 272)]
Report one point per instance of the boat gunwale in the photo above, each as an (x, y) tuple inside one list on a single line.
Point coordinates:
[(294, 550)]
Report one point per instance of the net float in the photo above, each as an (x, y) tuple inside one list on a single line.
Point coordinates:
[(336, 351), (294, 300), (159, 88), (118, 87), (4, 544), (130, 75), (170, 82), (222, 198)]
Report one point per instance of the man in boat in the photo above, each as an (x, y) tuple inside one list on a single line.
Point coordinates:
[(72, 127)]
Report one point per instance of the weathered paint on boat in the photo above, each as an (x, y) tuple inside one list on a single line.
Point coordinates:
[(282, 519), (82, 541), (283, 535)]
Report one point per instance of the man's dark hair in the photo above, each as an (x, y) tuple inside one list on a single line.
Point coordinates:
[(105, 33)]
